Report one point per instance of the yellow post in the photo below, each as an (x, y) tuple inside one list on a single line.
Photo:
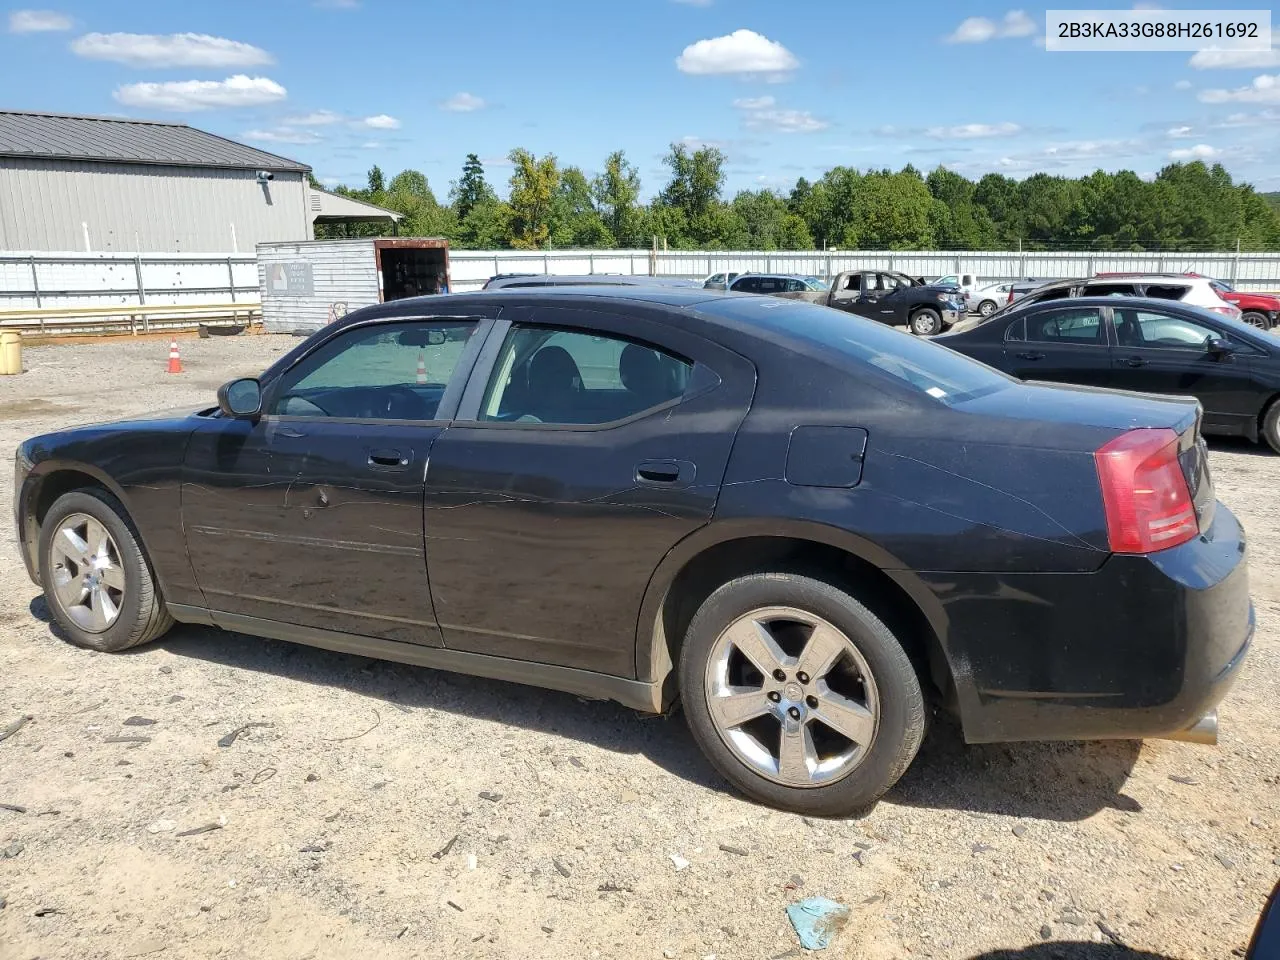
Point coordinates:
[(10, 352)]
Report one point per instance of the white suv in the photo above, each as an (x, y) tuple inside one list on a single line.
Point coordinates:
[(1196, 291)]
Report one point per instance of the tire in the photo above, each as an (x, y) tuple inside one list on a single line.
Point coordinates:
[(926, 322), (870, 687), (1256, 319), (986, 308), (1270, 427), (87, 536)]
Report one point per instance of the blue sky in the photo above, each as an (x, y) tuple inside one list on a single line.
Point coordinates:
[(786, 90)]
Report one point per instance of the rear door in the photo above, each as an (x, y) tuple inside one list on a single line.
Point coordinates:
[(1060, 343), (1161, 352), (589, 442)]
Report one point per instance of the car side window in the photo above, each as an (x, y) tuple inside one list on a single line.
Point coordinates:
[(1076, 325), (1146, 328), (744, 285), (795, 286), (1017, 330), (1110, 290), (1161, 291), (386, 371), (545, 375)]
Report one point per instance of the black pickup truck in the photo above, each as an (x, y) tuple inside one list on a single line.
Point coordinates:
[(898, 300)]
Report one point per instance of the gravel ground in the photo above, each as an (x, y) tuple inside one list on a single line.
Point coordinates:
[(374, 809)]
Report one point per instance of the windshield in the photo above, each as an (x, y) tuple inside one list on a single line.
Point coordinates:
[(813, 283), (925, 367)]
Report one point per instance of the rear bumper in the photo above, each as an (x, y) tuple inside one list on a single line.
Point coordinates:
[(1145, 646)]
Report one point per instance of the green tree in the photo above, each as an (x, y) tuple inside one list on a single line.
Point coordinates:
[(472, 189), (533, 190), (410, 193), (575, 220), (375, 180), (768, 224), (694, 190), (617, 197)]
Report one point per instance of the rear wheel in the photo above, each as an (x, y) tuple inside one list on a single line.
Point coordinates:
[(986, 308), (1271, 425), (926, 322), (97, 581), (1257, 319), (798, 695)]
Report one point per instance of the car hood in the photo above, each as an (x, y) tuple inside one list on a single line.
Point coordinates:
[(1260, 300)]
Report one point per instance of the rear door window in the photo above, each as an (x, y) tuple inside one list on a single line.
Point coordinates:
[(1167, 291), (1074, 325)]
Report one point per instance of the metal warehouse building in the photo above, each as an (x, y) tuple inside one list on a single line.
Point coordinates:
[(101, 184)]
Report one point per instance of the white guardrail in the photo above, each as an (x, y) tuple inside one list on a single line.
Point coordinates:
[(70, 282)]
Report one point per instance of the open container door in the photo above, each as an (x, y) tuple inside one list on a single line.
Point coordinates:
[(411, 267)]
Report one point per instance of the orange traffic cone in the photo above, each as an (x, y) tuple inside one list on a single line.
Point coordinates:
[(422, 367), (175, 361)]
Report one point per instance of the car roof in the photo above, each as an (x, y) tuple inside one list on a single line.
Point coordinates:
[(782, 276), (527, 281), (657, 294)]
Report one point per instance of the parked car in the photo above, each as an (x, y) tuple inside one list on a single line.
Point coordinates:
[(781, 285), (1145, 344), (721, 281), (1194, 291), (1020, 288), (967, 282), (984, 301), (898, 300), (1261, 310), (524, 280), (806, 527)]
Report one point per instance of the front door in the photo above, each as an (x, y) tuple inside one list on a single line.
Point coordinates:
[(312, 515), (1159, 352), (1059, 343), (588, 444)]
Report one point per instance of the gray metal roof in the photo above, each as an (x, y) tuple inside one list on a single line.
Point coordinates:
[(54, 136)]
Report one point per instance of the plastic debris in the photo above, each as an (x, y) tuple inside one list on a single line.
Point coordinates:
[(680, 862), (817, 920)]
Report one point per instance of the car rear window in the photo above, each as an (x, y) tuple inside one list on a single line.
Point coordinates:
[(910, 361)]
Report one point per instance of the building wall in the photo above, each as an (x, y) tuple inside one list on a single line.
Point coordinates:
[(344, 277), (49, 204)]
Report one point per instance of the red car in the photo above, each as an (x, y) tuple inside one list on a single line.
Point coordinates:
[(1260, 309)]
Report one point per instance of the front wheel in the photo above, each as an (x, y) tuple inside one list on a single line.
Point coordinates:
[(798, 695), (926, 322), (97, 581), (1257, 319)]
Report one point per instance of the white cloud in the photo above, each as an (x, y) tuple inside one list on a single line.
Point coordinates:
[(1178, 132), (973, 131), (761, 113), (1016, 23), (463, 102), (317, 118), (282, 135), (1201, 151), (38, 21), (1182, 85), (1073, 154), (381, 121), (237, 91), (1264, 89), (171, 50), (1214, 59), (741, 52), (370, 145)]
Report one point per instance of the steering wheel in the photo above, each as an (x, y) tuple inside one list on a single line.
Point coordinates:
[(403, 404), (286, 404)]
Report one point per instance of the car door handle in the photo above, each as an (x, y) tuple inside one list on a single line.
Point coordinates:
[(665, 473), (1134, 362), (1030, 355), (387, 458)]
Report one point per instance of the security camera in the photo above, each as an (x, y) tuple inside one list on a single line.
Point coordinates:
[(265, 175)]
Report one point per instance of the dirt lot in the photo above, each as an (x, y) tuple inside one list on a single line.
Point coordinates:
[(382, 810)]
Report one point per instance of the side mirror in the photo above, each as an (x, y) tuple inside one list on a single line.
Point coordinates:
[(1219, 346), (240, 399)]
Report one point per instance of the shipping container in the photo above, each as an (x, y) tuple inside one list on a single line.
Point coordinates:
[(305, 285)]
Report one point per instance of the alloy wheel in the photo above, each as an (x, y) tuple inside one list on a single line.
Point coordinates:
[(792, 697), (88, 580)]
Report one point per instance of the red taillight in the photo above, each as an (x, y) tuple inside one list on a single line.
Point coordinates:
[(1144, 493), (1010, 300), (1232, 312)]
